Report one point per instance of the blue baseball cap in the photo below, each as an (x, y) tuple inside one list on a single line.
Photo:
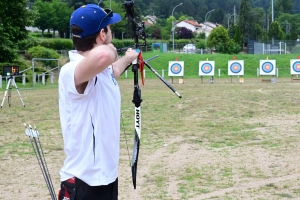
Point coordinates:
[(91, 19)]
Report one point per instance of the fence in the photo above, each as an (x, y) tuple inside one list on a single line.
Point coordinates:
[(35, 76), (43, 78), (273, 47)]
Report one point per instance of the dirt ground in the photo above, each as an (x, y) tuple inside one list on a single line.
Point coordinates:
[(220, 141)]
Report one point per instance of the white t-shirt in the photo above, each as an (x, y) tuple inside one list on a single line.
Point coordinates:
[(90, 125)]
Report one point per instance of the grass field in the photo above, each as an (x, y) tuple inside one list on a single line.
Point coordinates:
[(191, 63), (220, 141)]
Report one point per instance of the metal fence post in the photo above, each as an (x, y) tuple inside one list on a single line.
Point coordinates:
[(23, 79)]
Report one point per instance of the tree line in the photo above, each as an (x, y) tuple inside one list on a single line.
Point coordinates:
[(253, 19)]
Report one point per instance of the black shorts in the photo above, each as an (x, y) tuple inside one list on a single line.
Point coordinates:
[(76, 189)]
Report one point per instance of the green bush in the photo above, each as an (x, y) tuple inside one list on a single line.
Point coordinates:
[(201, 44), (228, 48), (57, 44), (42, 52), (39, 35), (27, 43)]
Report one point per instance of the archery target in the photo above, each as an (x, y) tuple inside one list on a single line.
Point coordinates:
[(235, 67), (295, 66), (176, 68), (267, 67), (206, 68)]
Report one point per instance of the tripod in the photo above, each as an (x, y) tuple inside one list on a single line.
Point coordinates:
[(11, 82)]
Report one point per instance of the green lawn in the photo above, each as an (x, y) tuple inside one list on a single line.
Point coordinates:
[(191, 63)]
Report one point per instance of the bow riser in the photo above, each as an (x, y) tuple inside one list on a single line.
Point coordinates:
[(138, 121)]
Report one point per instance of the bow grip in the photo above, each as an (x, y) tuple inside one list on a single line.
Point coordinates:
[(134, 62)]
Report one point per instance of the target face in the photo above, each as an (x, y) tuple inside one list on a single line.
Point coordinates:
[(235, 67), (267, 67), (295, 66), (176, 68), (206, 68)]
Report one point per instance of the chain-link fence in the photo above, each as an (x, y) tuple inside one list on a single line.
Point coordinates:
[(274, 47)]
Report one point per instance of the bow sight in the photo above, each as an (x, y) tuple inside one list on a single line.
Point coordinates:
[(138, 27)]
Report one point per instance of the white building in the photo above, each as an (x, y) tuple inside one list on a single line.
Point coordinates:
[(207, 27), (194, 26), (189, 24)]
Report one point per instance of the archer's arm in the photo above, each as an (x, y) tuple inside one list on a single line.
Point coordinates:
[(95, 61)]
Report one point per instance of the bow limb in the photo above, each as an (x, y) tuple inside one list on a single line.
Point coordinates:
[(136, 148), (137, 100)]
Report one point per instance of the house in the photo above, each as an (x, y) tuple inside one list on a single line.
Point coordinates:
[(151, 19), (147, 24), (189, 24), (207, 27), (194, 26)]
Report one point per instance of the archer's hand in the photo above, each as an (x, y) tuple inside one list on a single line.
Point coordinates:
[(131, 54)]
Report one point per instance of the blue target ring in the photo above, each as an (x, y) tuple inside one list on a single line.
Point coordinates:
[(235, 67), (296, 66), (176, 68), (206, 68), (267, 67)]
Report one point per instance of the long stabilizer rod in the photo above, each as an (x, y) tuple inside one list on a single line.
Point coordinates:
[(161, 78)]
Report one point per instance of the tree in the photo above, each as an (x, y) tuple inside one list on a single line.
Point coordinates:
[(118, 7), (275, 31), (46, 17), (237, 35), (77, 3), (258, 32), (217, 35), (232, 30), (290, 18), (282, 6), (219, 40), (61, 20), (154, 31), (182, 18), (14, 17), (294, 35), (217, 16), (184, 32), (244, 22)]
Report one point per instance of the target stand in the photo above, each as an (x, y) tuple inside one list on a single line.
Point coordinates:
[(295, 79), (180, 80), (268, 80), (10, 71), (295, 70), (268, 69), (240, 79), (211, 80)]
